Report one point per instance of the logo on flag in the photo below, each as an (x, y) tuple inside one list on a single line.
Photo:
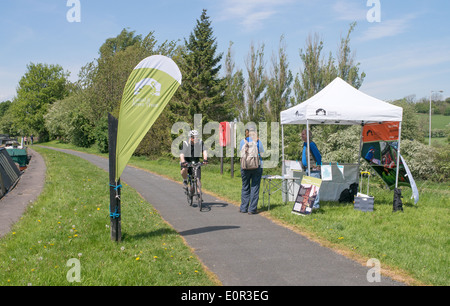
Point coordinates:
[(144, 90), (155, 87)]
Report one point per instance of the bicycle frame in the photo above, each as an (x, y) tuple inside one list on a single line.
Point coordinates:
[(194, 184)]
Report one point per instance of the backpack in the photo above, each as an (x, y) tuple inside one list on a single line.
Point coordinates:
[(249, 156), (348, 194), (345, 196)]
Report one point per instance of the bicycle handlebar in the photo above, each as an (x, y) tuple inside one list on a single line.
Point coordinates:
[(192, 164)]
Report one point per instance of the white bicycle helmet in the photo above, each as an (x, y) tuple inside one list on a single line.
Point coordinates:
[(193, 133)]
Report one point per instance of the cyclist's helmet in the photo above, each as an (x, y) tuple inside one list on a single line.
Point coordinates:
[(193, 133)]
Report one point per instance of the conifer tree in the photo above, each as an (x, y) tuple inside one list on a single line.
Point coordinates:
[(202, 89)]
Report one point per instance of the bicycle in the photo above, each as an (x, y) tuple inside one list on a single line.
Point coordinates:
[(194, 185)]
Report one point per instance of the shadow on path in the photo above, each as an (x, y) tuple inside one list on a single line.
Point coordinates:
[(207, 229)]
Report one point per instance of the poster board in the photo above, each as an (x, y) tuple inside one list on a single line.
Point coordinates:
[(307, 193), (380, 142)]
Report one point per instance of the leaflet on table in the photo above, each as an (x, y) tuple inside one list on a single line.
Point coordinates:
[(291, 166)]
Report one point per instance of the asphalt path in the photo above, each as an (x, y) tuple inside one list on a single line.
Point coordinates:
[(242, 249)]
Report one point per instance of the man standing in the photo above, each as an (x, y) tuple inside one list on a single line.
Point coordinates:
[(315, 160), (251, 179)]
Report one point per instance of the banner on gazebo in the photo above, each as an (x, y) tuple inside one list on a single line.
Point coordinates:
[(380, 143)]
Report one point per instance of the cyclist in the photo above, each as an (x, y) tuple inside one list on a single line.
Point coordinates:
[(192, 150)]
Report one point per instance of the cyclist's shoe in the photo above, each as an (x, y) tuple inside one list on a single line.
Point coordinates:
[(185, 185)]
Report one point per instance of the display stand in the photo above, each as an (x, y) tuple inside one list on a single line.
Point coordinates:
[(309, 189)]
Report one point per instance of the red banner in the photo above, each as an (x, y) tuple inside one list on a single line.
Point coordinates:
[(386, 131), (224, 137)]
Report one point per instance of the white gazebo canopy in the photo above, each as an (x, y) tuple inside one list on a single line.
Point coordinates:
[(341, 103)]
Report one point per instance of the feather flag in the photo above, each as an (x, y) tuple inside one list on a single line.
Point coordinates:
[(148, 90)]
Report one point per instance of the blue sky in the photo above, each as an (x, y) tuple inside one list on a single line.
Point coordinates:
[(406, 53)]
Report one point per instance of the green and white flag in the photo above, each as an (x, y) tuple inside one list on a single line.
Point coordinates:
[(149, 88)]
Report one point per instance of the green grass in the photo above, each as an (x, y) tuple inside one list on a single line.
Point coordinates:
[(414, 244), (415, 241), (437, 121), (70, 219)]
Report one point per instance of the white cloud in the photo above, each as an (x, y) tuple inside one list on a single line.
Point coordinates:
[(387, 28), (382, 88), (401, 85), (256, 20), (410, 56), (251, 14), (350, 11), (409, 69)]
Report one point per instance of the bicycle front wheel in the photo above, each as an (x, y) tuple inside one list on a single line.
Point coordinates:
[(190, 193), (199, 196)]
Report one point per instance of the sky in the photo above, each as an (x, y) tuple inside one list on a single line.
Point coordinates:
[(402, 46)]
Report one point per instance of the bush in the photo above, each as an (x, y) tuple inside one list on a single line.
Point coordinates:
[(341, 146), (101, 135), (157, 142), (425, 162), (81, 132), (438, 133), (420, 159), (442, 161)]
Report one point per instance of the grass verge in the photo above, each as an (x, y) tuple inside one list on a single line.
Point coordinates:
[(70, 220), (413, 246)]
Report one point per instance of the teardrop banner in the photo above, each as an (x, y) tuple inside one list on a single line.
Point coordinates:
[(149, 89)]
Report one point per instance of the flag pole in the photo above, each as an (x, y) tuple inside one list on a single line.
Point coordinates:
[(114, 186)]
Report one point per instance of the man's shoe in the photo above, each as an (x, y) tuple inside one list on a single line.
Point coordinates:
[(253, 212)]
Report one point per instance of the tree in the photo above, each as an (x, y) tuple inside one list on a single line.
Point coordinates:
[(310, 80), (235, 86), (67, 120), (81, 118), (4, 106), (39, 88), (119, 43), (411, 128), (347, 69), (256, 84), (317, 73), (202, 90), (57, 119), (105, 79), (5, 122), (279, 84)]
